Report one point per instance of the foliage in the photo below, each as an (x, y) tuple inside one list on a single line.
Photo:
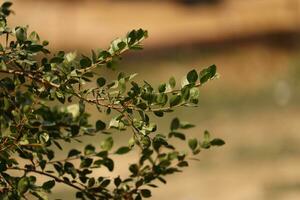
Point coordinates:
[(42, 105)]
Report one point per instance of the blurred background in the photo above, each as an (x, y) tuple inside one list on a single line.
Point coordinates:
[(254, 105)]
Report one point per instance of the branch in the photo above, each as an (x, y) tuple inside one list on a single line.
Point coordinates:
[(49, 175), (30, 76), (108, 59)]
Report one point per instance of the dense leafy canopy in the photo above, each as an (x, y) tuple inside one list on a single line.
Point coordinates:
[(42, 105)]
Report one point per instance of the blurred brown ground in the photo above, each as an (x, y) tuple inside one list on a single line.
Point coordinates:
[(254, 105)]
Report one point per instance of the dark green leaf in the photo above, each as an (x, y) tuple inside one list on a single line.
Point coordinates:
[(183, 164), (122, 150), (146, 142), (73, 152), (57, 60), (159, 113), (142, 106), (48, 185), (86, 162), (89, 149), (162, 88), (175, 100), (107, 144), (117, 181), (105, 183), (60, 96), (134, 169), (91, 182), (35, 48), (100, 125), (175, 124), (101, 81), (217, 142), (2, 167), (121, 45), (109, 163), (178, 135), (172, 82), (23, 185), (193, 143), (21, 34), (85, 62), (146, 193), (207, 74), (192, 76), (185, 125)]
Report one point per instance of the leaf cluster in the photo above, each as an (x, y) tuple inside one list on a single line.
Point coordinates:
[(42, 105)]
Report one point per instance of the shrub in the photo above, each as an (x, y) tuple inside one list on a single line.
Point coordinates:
[(42, 104)]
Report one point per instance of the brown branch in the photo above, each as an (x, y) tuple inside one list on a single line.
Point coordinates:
[(30, 76), (49, 175), (110, 58)]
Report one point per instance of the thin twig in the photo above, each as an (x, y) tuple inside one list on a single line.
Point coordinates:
[(30, 76), (49, 175)]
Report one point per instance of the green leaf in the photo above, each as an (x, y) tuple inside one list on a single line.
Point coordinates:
[(122, 85), (91, 182), (48, 185), (21, 34), (162, 88), (100, 125), (60, 96), (85, 62), (44, 137), (175, 124), (117, 181), (73, 152), (134, 169), (89, 149), (131, 37), (146, 142), (162, 99), (192, 76), (207, 74), (57, 60), (193, 143), (186, 125), (101, 81), (146, 193), (122, 150), (159, 113), (194, 95), (23, 185), (177, 135), (109, 163), (183, 164), (2, 167), (6, 5), (45, 43), (142, 106), (105, 183), (35, 48), (86, 162), (217, 142), (206, 135), (121, 45), (206, 143), (107, 144), (175, 100), (172, 82)]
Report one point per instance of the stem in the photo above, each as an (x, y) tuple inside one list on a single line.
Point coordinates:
[(30, 76), (108, 59), (49, 175)]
